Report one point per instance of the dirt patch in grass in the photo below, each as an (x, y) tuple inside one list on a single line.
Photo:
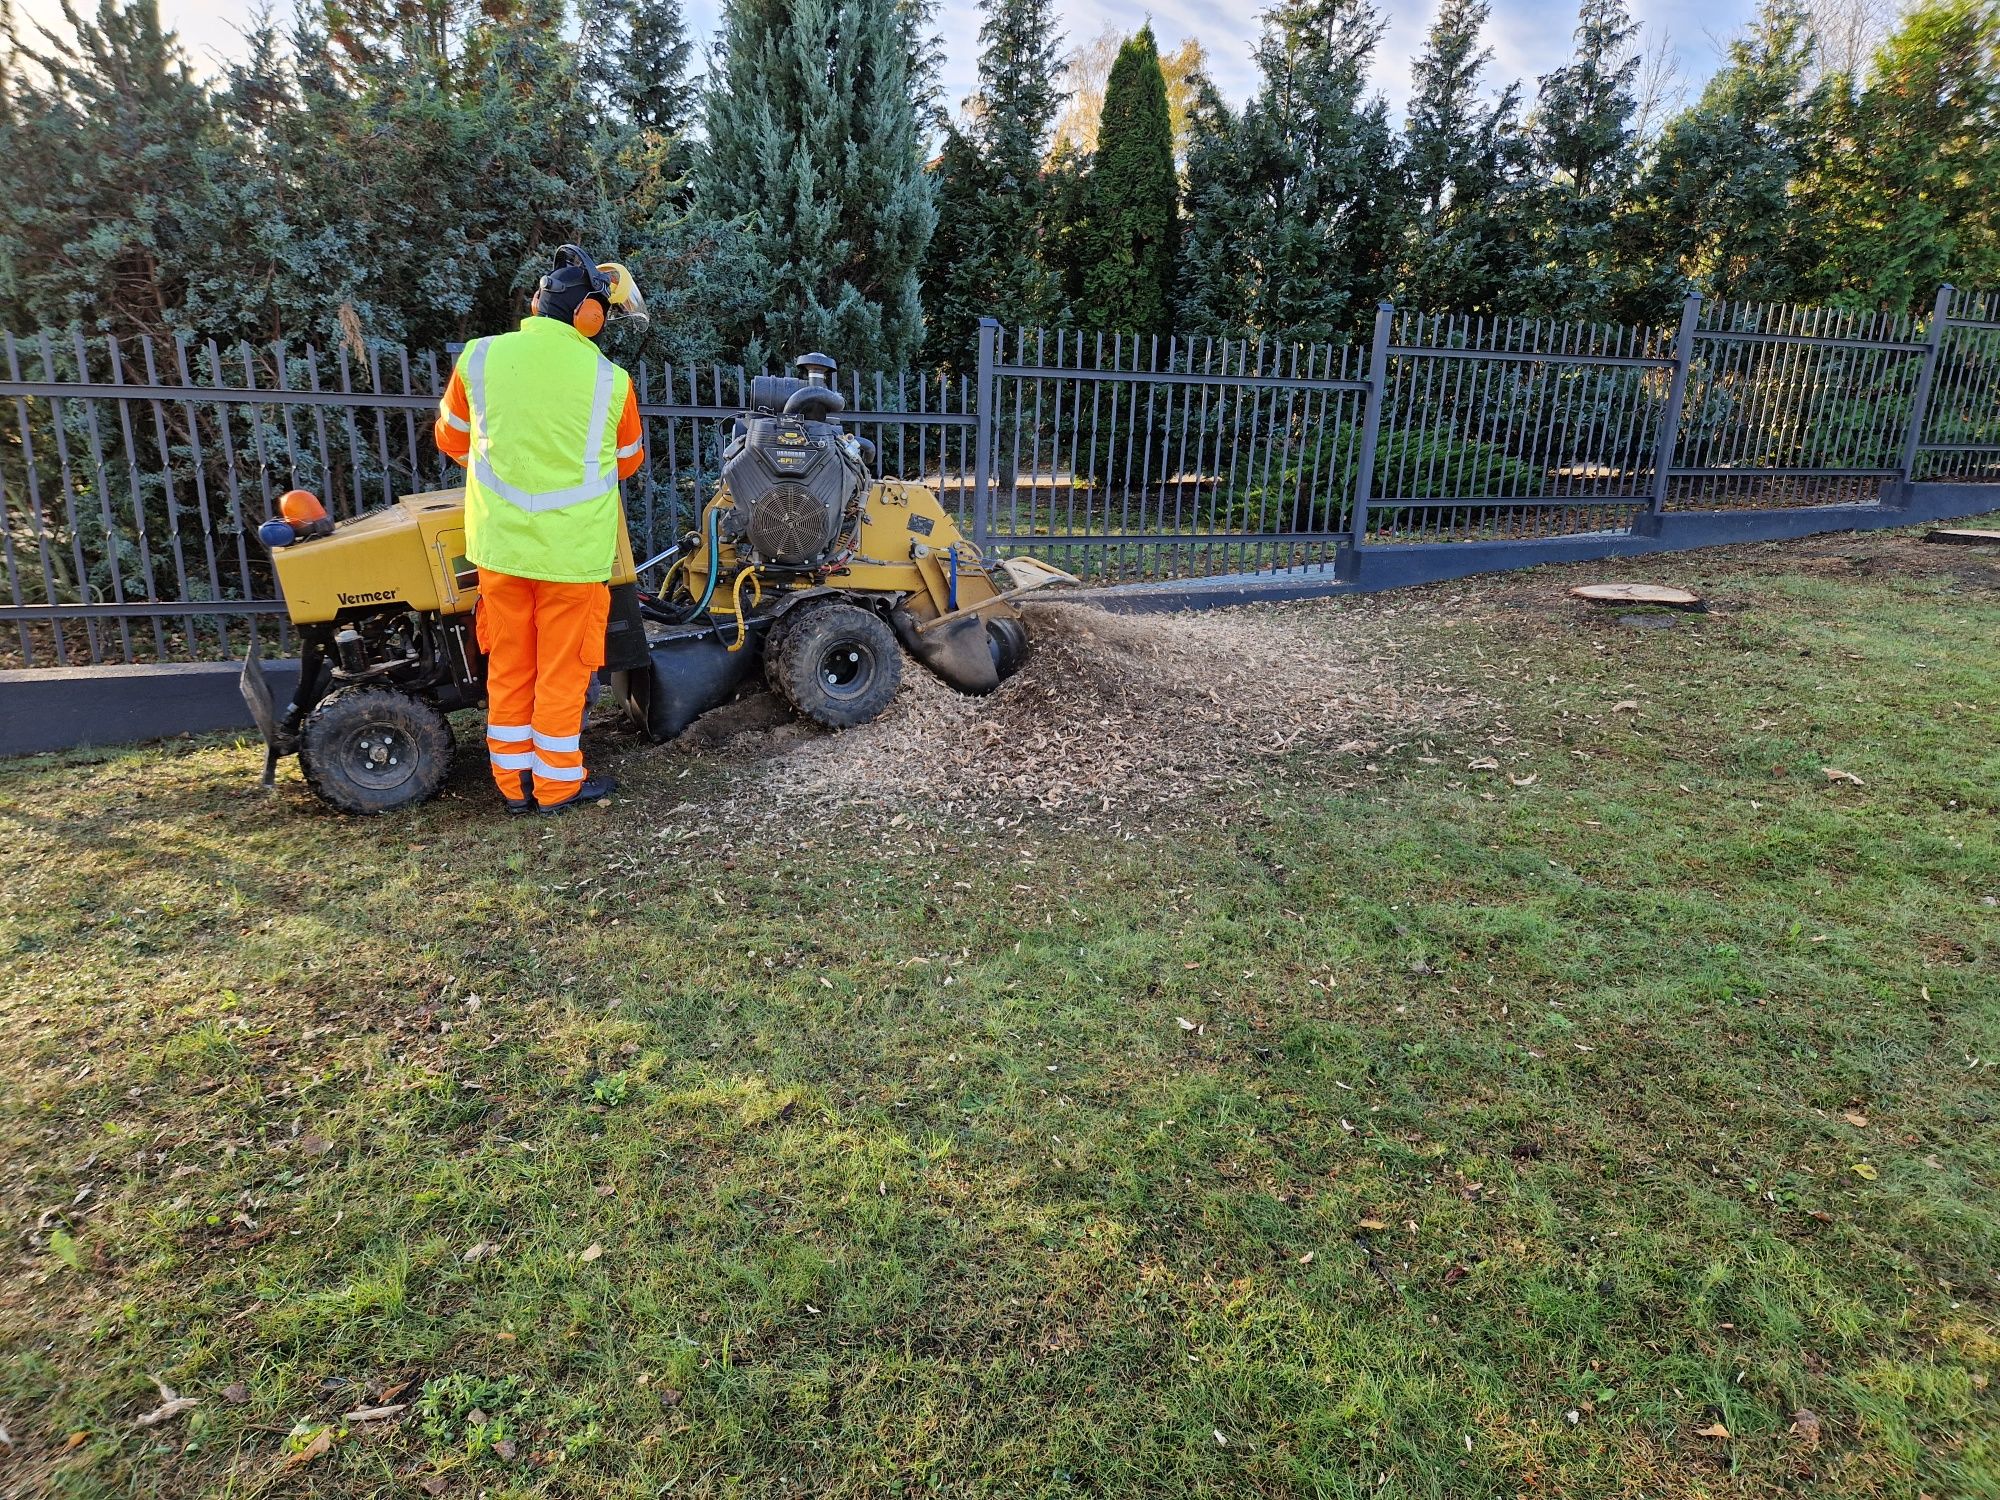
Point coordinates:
[(1894, 554), (1111, 713)]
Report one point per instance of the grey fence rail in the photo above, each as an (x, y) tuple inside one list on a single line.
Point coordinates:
[(134, 475)]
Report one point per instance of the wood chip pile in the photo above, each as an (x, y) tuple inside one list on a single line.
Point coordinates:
[(1112, 713)]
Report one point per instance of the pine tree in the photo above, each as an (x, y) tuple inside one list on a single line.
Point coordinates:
[(634, 60), (1716, 210), (1322, 225), (1583, 136), (1132, 231), (1908, 193), (1466, 163), (813, 148), (987, 255)]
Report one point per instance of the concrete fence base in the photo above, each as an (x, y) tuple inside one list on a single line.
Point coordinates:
[(59, 708)]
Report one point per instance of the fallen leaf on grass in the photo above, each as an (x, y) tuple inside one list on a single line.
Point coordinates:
[(1858, 1120), (1220, 1440), (318, 1448), (591, 1252), (236, 1394), (1488, 763), (1625, 706), (1528, 780), (1715, 1431), (315, 1145), (1834, 773), (504, 1448), (435, 1485), (1864, 1170), (1805, 1425), (484, 1250), (1306, 1259), (1374, 1224), (1185, 1023), (377, 1413)]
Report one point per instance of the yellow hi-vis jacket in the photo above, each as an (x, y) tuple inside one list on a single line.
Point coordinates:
[(546, 426)]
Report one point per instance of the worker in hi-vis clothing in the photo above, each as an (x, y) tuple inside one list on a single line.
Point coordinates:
[(545, 427)]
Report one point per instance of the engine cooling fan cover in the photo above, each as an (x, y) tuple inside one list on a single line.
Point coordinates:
[(790, 525)]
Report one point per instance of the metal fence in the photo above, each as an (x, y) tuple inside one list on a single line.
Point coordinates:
[(134, 476)]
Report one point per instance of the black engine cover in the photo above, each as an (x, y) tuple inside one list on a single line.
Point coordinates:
[(792, 487)]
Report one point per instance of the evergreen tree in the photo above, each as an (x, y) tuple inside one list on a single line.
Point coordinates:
[(1321, 223), (1585, 151), (1066, 227), (110, 208), (635, 63), (1212, 295), (1908, 193), (965, 256), (813, 148), (1131, 232), (1466, 162), (1716, 211), (987, 255), (1019, 86), (1088, 69)]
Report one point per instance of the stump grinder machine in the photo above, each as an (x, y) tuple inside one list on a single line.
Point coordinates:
[(803, 564)]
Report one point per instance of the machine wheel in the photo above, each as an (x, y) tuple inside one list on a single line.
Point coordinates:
[(774, 643), (838, 666), (374, 749), (1009, 642)]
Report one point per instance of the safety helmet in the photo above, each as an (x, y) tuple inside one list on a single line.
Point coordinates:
[(587, 295)]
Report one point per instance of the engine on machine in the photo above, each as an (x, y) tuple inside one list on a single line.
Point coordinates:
[(795, 479)]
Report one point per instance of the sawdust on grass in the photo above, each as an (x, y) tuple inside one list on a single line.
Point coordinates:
[(1112, 713)]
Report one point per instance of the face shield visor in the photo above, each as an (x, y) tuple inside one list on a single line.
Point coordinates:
[(627, 302)]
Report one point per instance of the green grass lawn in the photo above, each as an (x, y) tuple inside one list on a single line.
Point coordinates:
[(1617, 1122)]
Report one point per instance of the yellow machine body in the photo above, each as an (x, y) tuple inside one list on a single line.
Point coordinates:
[(904, 545), (409, 555)]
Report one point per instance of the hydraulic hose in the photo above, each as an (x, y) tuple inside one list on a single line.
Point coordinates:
[(714, 559), (748, 575)]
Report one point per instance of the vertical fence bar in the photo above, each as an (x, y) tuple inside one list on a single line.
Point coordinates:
[(1371, 427), (1920, 402), (982, 438), (1670, 419)]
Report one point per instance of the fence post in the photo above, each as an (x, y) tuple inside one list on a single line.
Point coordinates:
[(1670, 420), (1371, 433), (1920, 404), (982, 435)]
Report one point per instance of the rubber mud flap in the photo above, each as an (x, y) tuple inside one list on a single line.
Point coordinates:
[(686, 676), (624, 631), (954, 648)]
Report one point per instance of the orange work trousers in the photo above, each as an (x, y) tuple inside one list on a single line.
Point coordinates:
[(542, 641)]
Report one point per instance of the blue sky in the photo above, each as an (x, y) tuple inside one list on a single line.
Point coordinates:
[(1528, 39)]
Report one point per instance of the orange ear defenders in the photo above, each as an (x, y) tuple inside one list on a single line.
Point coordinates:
[(575, 291)]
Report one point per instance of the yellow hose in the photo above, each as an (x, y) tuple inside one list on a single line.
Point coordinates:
[(736, 603)]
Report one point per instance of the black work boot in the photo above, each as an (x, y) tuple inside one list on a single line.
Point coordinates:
[(525, 803), (595, 789)]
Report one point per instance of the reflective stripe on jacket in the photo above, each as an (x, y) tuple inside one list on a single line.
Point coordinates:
[(546, 427)]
